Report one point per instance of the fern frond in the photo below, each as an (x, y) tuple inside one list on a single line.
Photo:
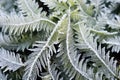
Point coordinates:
[(80, 66), (85, 9), (17, 24), (60, 74), (14, 43), (38, 58), (29, 7), (68, 68), (113, 42), (56, 4), (21, 42), (114, 22), (67, 44), (9, 60), (34, 65), (60, 67), (110, 64), (26, 40), (55, 73)]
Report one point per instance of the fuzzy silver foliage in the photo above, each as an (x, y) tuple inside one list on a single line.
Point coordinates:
[(73, 41)]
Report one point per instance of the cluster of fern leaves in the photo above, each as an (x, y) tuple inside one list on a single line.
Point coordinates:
[(71, 40)]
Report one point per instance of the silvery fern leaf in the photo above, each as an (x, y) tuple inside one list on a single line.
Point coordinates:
[(17, 24), (113, 42), (9, 60), (25, 41), (56, 4), (103, 57), (17, 42), (70, 43), (57, 71), (13, 43), (69, 73), (85, 9), (55, 74), (36, 61), (98, 5), (80, 66), (54, 68), (29, 7), (66, 70), (114, 22), (38, 58)]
